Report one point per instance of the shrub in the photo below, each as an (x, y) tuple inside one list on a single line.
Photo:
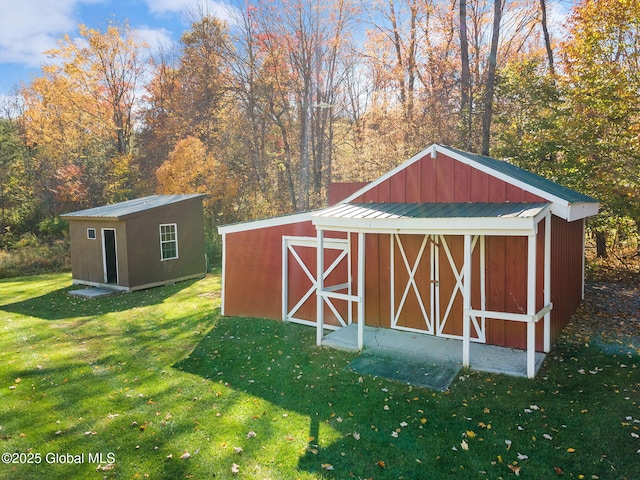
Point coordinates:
[(29, 257)]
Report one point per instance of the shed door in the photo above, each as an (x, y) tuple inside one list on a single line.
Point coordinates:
[(427, 285), (299, 281), (110, 255)]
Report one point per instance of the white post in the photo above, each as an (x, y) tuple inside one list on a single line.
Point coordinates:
[(392, 276), (224, 271), (483, 282), (531, 305), (319, 287), (349, 279), (547, 281), (361, 257), (285, 282), (466, 300), (584, 257)]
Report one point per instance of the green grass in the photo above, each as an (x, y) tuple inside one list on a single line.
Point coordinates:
[(151, 375)]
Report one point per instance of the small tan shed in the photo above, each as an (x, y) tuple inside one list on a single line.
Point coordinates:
[(139, 243)]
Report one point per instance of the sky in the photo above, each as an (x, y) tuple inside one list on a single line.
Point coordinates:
[(28, 28)]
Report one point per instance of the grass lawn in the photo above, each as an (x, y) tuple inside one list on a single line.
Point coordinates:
[(149, 378)]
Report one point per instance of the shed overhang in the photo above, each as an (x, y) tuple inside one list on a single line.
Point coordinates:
[(505, 219)]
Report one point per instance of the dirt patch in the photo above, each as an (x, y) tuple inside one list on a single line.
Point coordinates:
[(609, 316)]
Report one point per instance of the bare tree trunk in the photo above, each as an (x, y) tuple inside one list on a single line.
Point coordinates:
[(465, 79), (491, 78), (547, 39), (601, 244)]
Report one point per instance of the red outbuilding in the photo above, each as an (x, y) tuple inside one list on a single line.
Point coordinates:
[(448, 243)]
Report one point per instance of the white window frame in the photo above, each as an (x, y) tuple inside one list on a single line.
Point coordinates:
[(163, 242), (95, 234)]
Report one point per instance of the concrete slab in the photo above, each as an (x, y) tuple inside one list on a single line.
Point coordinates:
[(429, 351), (93, 292), (434, 375)]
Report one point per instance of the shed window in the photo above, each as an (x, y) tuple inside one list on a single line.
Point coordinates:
[(168, 241), (91, 233)]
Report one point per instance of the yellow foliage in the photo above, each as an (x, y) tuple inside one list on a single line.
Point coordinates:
[(191, 169)]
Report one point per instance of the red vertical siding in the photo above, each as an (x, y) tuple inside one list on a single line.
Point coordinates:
[(462, 183), (479, 189), (253, 270), (429, 179)]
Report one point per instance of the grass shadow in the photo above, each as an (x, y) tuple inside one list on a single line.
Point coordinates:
[(360, 426), (59, 305)]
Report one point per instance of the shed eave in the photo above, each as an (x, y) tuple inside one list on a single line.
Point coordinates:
[(507, 226), (264, 223), (578, 211)]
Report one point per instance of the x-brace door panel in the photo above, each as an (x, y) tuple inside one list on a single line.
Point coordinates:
[(451, 289), (413, 283), (299, 281)]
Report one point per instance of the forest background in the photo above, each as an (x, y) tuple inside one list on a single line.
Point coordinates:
[(262, 111)]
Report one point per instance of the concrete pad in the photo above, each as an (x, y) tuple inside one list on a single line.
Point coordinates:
[(426, 350), (93, 292), (434, 375)]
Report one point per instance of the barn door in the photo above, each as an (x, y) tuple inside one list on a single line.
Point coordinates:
[(299, 281), (413, 283), (427, 286), (450, 283)]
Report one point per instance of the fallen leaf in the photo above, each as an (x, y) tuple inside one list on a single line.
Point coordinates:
[(381, 464), (464, 445), (327, 466), (470, 433), (185, 455), (508, 443), (356, 436), (547, 436), (251, 434), (235, 468), (558, 471), (106, 468), (522, 457), (237, 449), (515, 469), (571, 450)]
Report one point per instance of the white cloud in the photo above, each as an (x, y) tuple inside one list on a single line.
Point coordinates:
[(189, 8), (154, 37), (30, 27)]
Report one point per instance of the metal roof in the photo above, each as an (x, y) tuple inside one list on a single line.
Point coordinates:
[(116, 211), (453, 218)]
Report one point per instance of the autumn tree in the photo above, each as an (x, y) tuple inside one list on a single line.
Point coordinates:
[(191, 168), (81, 110), (602, 88), (289, 76), (14, 191)]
